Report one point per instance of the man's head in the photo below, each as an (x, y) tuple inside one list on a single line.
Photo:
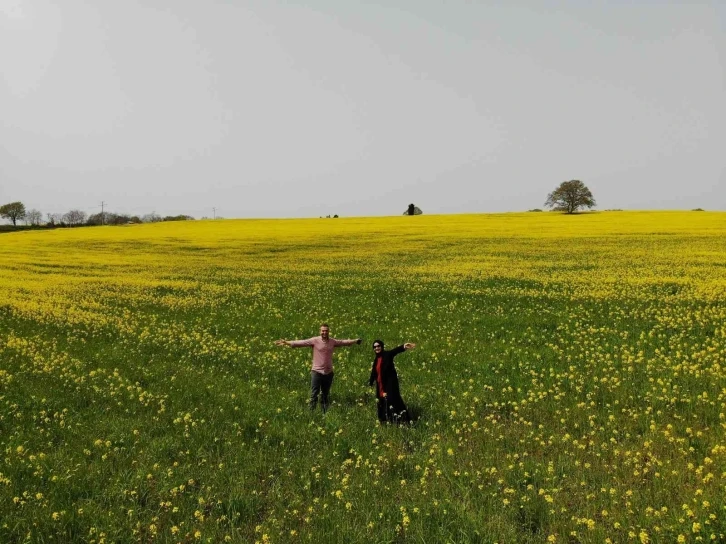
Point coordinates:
[(324, 331)]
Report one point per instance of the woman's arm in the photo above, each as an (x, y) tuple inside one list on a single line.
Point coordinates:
[(400, 349)]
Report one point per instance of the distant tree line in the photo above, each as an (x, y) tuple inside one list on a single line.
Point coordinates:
[(16, 212), (568, 197)]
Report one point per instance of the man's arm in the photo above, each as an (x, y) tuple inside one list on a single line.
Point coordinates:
[(295, 343), (348, 342)]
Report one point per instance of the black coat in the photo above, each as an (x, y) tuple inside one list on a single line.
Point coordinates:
[(389, 379)]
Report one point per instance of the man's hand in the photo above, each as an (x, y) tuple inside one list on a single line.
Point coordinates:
[(281, 342), (358, 341)]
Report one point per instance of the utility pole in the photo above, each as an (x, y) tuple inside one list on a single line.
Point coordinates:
[(103, 217), (214, 213)]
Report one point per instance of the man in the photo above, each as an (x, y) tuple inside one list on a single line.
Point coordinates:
[(321, 374)]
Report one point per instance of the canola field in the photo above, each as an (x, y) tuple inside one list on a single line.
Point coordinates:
[(568, 385)]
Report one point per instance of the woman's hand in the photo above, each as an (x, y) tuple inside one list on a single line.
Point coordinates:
[(409, 345)]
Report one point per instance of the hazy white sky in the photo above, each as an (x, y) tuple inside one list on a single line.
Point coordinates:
[(287, 109)]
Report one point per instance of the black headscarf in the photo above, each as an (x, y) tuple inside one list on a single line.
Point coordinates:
[(378, 342)]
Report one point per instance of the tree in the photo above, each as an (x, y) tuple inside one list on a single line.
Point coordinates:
[(13, 211), (34, 217), (152, 217), (54, 218), (96, 219), (413, 210), (74, 217), (109, 218), (570, 196)]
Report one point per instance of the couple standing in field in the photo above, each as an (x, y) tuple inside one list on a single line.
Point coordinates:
[(391, 407)]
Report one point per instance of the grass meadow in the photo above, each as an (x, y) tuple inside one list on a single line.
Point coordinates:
[(569, 380)]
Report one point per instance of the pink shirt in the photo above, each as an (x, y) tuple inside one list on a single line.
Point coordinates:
[(322, 351)]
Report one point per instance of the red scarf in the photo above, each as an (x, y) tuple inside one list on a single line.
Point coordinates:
[(379, 362)]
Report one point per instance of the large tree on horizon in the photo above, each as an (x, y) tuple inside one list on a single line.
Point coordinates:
[(13, 211), (412, 210), (570, 196)]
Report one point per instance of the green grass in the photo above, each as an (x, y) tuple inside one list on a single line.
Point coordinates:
[(578, 396)]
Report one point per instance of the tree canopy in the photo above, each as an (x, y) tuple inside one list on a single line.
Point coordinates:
[(33, 217), (413, 210), (570, 196), (13, 211), (74, 218)]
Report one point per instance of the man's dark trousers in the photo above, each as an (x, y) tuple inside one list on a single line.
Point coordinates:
[(320, 383)]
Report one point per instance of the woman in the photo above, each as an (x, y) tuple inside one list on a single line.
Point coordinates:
[(391, 407)]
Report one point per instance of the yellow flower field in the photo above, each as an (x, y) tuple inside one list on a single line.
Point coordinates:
[(568, 385)]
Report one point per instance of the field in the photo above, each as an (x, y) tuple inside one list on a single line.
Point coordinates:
[(569, 380)]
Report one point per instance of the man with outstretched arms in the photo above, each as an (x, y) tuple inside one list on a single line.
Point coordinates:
[(321, 374)]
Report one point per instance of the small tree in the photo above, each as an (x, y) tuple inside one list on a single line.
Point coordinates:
[(74, 217), (413, 210), (34, 217), (96, 219), (120, 219), (54, 218), (152, 217), (570, 196), (13, 211)]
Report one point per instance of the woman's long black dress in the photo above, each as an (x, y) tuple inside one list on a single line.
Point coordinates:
[(391, 407)]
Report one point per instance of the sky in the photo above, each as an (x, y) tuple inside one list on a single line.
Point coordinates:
[(307, 109)]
